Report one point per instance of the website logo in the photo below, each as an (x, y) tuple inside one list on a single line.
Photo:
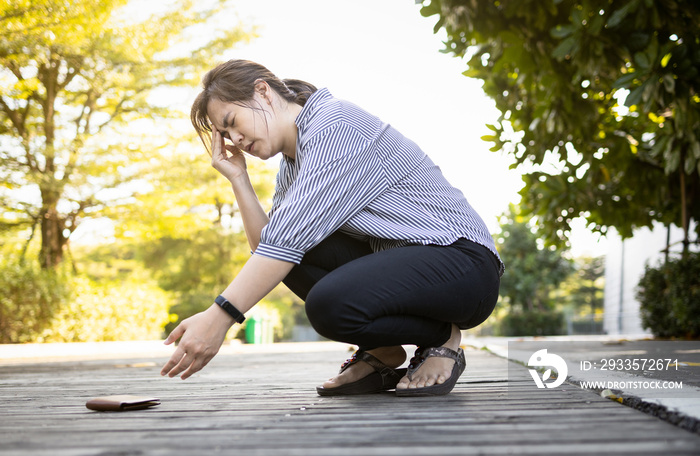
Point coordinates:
[(543, 359)]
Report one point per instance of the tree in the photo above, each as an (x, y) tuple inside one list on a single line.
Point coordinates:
[(586, 290), (534, 270), (583, 294), (77, 79), (185, 228), (558, 71)]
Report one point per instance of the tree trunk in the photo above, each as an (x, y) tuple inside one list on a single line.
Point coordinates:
[(684, 212), (52, 226)]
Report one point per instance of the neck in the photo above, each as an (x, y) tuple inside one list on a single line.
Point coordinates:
[(290, 142)]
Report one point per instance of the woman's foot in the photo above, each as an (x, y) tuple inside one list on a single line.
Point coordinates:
[(391, 356), (434, 370)]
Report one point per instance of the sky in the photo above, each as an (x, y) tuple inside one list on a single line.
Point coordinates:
[(384, 56)]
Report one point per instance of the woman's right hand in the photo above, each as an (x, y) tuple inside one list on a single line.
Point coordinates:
[(231, 167)]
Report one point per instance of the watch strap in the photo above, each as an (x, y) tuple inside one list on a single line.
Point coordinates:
[(228, 307)]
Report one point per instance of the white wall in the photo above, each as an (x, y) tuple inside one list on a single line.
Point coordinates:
[(624, 266)]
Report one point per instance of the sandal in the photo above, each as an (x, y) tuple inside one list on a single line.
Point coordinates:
[(438, 389), (383, 379)]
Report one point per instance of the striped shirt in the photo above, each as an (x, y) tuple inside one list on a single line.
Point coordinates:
[(356, 174)]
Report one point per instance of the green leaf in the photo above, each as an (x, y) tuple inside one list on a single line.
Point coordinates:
[(672, 157), (642, 60), (634, 97), (561, 31), (565, 48), (690, 163), (624, 81), (638, 41), (669, 83), (660, 145), (577, 17), (596, 25), (652, 51), (695, 149), (618, 16)]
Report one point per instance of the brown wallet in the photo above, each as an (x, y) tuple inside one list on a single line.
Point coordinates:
[(121, 403)]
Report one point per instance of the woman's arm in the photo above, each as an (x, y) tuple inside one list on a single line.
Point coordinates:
[(202, 335), (252, 213), (234, 169)]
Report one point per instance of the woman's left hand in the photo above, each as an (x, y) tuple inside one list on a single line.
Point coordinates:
[(201, 338)]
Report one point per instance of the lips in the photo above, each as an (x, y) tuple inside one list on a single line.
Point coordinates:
[(249, 147)]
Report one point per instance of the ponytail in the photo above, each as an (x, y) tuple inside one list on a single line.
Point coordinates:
[(300, 89)]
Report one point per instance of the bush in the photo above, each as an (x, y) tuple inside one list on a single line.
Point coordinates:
[(133, 310), (669, 297), (532, 323), (29, 299)]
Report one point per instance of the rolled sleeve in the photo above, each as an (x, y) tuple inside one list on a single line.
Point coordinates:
[(279, 253)]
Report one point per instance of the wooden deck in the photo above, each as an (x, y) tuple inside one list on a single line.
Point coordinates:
[(264, 403)]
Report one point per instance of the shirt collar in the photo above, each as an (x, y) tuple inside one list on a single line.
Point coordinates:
[(311, 106)]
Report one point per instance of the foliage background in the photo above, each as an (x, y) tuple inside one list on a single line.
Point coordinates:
[(89, 134), (173, 236), (600, 107), (603, 92)]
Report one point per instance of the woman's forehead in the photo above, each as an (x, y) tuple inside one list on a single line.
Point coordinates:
[(217, 110)]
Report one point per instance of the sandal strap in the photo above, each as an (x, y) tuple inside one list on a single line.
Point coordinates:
[(360, 355), (424, 353)]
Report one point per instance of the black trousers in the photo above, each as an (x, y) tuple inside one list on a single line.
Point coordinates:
[(406, 295)]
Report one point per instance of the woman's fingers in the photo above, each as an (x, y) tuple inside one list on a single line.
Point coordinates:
[(176, 358), (201, 336), (186, 361), (217, 143), (196, 365), (175, 334)]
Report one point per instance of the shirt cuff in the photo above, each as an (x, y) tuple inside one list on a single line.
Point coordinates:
[(279, 253)]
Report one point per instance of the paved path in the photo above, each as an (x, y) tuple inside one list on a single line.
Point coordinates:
[(257, 400), (658, 376)]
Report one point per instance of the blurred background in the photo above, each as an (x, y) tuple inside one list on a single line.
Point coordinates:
[(571, 126)]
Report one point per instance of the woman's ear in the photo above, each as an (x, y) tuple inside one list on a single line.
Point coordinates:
[(263, 89)]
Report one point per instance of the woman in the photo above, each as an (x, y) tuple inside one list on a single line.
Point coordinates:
[(363, 227)]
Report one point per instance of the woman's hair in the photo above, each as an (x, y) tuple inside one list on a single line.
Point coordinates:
[(234, 82)]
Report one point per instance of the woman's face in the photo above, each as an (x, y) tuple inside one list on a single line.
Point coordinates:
[(252, 129)]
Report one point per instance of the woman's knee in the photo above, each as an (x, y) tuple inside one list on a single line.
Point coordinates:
[(331, 313), (484, 309)]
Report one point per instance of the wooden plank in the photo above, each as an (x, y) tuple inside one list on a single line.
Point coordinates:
[(265, 403)]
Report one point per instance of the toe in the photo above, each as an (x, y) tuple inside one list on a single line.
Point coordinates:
[(403, 383), (420, 383), (330, 383)]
